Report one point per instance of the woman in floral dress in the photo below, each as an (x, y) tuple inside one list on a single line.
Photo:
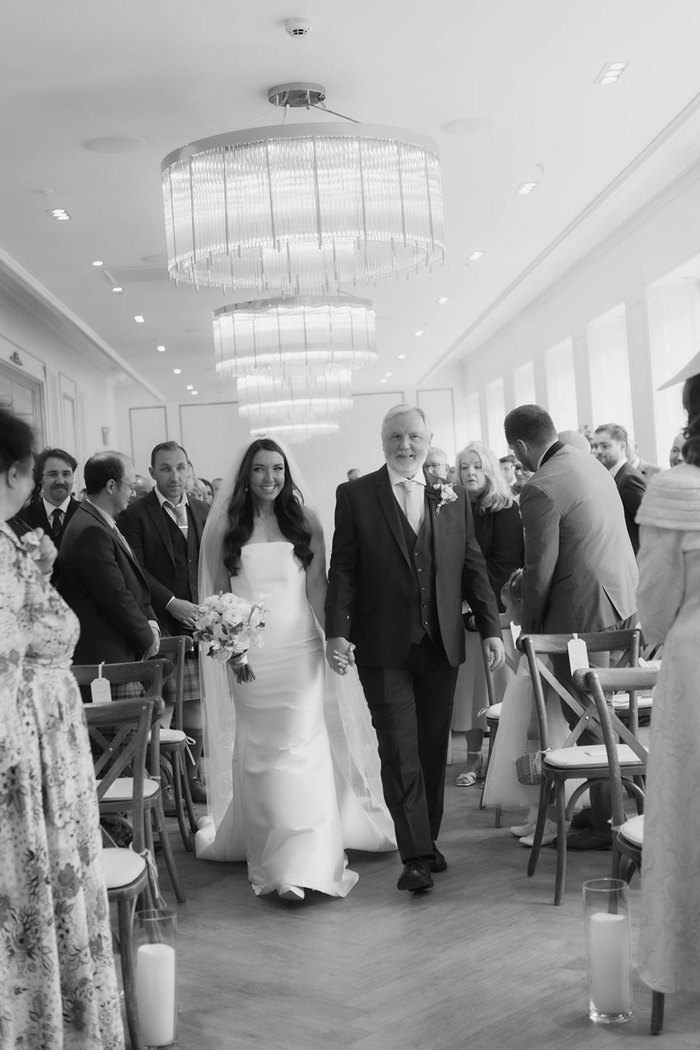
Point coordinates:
[(59, 989)]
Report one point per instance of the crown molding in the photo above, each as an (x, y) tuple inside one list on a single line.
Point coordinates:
[(31, 297)]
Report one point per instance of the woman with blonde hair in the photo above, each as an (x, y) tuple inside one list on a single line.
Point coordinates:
[(499, 533)]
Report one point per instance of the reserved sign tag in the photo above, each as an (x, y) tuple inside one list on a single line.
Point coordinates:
[(100, 689), (578, 654)]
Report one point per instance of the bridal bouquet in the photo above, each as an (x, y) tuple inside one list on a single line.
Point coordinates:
[(226, 625)]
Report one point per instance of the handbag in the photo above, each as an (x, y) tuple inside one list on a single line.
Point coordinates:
[(529, 768)]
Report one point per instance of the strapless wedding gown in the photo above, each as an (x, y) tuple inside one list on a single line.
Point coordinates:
[(293, 808)]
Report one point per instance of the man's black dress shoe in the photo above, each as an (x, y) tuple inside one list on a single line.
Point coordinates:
[(582, 819), (590, 838), (198, 791), (415, 876), (437, 862)]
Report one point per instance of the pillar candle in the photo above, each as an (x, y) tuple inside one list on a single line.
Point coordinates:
[(155, 993), (610, 963)]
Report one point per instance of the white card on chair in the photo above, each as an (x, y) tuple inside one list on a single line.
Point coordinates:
[(578, 654), (100, 689)]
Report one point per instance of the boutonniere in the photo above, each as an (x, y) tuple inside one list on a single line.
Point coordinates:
[(446, 493)]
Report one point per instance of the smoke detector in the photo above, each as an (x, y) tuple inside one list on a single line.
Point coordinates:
[(298, 26)]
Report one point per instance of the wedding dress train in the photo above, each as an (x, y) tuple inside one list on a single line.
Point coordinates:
[(305, 779)]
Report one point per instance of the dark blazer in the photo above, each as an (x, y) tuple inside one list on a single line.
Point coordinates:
[(580, 572), (34, 516), (104, 586), (500, 536), (631, 486), (144, 526), (370, 588)]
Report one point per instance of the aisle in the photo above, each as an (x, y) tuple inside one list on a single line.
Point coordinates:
[(482, 962)]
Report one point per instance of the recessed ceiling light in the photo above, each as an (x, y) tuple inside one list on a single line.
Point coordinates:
[(177, 371), (476, 255), (442, 300), (59, 213), (526, 187), (418, 331), (402, 357), (382, 380), (161, 349), (611, 73), (98, 262), (117, 288), (190, 386), (114, 144), (387, 374), (139, 318), (194, 392)]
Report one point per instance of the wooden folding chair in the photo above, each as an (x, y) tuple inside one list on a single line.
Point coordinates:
[(119, 733), (569, 762), (173, 741), (149, 674), (628, 834)]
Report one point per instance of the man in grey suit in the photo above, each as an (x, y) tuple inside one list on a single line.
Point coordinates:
[(580, 573)]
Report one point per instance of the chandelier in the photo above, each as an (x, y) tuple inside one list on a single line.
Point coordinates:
[(294, 333), (297, 396), (301, 209)]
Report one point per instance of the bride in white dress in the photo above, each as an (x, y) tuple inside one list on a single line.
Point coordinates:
[(293, 771)]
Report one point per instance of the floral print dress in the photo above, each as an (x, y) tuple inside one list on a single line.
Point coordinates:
[(57, 976)]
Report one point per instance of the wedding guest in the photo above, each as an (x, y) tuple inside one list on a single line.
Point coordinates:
[(669, 610), (102, 580), (279, 797), (436, 465), (507, 466), (56, 960), (404, 558), (207, 491), (216, 485), (164, 531), (675, 455), (610, 442), (499, 533), (53, 505)]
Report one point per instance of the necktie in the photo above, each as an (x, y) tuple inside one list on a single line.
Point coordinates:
[(413, 502), (180, 512), (56, 522), (123, 540)]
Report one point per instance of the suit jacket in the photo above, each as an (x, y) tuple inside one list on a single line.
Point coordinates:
[(631, 486), (34, 516), (500, 538), (580, 572), (370, 587), (104, 585), (144, 526)]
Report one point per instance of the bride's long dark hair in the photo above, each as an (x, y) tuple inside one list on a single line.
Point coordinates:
[(691, 403), (288, 506)]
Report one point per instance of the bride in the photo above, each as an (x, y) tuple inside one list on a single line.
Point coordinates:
[(293, 772)]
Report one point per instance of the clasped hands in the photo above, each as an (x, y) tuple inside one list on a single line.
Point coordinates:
[(340, 654)]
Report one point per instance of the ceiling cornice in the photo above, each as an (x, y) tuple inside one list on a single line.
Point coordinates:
[(643, 181), (18, 286)]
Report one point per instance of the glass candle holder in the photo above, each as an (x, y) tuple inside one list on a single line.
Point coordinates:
[(155, 939), (607, 928)]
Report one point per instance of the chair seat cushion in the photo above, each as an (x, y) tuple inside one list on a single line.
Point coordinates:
[(172, 736), (493, 713), (121, 866), (122, 790), (589, 755), (621, 701), (633, 830)]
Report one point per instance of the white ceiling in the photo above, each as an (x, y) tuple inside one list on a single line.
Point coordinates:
[(518, 74)]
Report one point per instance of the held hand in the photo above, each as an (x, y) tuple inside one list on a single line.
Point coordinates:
[(182, 611), (155, 644), (495, 651), (340, 654)]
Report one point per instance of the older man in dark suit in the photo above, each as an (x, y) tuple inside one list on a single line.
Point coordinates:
[(580, 574), (404, 558), (164, 529), (102, 580)]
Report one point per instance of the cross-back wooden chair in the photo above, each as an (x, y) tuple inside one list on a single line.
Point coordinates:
[(149, 674), (119, 732), (587, 763), (628, 834), (173, 741)]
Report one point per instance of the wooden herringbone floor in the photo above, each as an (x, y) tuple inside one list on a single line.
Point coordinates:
[(482, 962)]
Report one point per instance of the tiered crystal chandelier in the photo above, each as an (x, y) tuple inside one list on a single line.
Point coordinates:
[(295, 212), (302, 208)]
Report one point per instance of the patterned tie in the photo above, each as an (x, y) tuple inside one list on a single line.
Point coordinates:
[(180, 512), (122, 539), (56, 522), (413, 502)]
